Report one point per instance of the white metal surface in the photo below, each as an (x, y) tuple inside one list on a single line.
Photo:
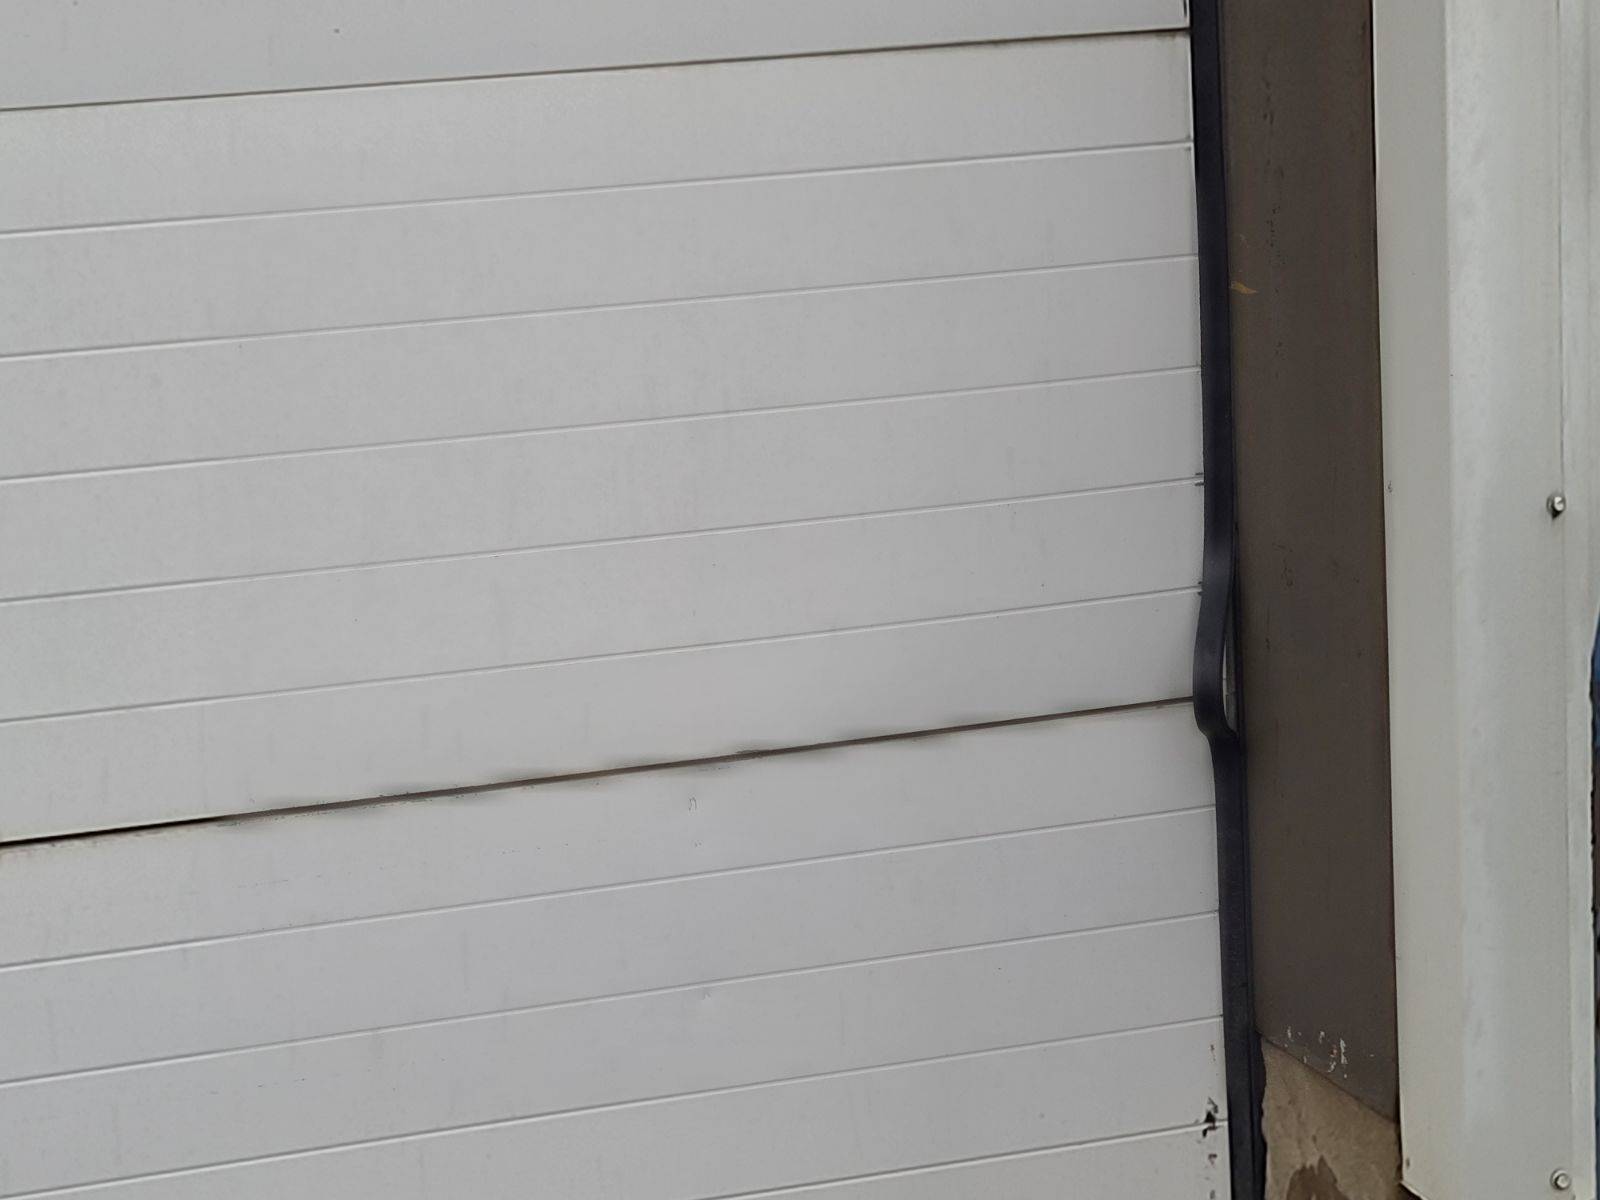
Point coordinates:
[(412, 620), (370, 387), (347, 979), (548, 1060), (755, 1140), (411, 502), (567, 717), (91, 895), (80, 289), (566, 948), (284, 151), (1484, 188), (94, 51), (983, 354), (380, 439)]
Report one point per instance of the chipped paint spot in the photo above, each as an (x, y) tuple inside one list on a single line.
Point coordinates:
[(1241, 288)]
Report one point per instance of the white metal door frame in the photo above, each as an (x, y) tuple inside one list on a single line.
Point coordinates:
[(1483, 200)]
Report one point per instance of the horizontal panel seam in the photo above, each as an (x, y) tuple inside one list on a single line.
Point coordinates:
[(599, 889), (713, 531), (879, 168), (592, 1110), (1201, 917), (104, 833), (653, 652), (234, 339), (773, 410), (1145, 1135), (1151, 31)]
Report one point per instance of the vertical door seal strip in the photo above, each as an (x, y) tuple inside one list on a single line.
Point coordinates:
[(1216, 711)]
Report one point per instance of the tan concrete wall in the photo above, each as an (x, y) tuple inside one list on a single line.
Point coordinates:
[(1322, 1144)]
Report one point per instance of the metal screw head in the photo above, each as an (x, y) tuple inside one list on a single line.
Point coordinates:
[(1561, 1181), (1557, 504)]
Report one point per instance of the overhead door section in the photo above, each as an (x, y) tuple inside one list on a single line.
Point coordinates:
[(699, 402)]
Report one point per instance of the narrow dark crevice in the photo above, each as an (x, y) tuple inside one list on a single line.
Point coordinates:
[(287, 809), (1216, 701)]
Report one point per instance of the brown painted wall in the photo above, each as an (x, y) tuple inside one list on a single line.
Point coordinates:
[(1298, 96)]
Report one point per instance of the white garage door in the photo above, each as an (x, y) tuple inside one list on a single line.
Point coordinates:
[(405, 400)]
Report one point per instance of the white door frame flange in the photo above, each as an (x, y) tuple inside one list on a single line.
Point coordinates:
[(1483, 137)]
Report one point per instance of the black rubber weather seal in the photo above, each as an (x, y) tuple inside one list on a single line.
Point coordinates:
[(1216, 699)]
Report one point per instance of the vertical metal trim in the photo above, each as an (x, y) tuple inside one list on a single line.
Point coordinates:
[(1216, 710)]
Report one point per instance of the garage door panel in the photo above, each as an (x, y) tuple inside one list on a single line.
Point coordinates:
[(106, 50), (744, 1140), (303, 512), (229, 399), (274, 153), (99, 895), (166, 283), (200, 998), (1165, 1166), (734, 470), (131, 767), (400, 1081), (336, 628)]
